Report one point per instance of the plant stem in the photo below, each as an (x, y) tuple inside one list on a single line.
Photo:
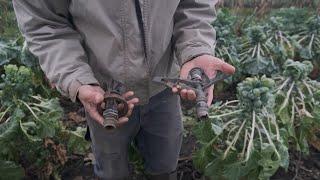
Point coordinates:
[(283, 85), (258, 55), (269, 138), (302, 39), (260, 136), (235, 139), (254, 52), (226, 114), (292, 110), (311, 42), (229, 122), (30, 109), (297, 109), (250, 144), (227, 103), (307, 113), (4, 113), (285, 102), (231, 131), (308, 87), (244, 143)]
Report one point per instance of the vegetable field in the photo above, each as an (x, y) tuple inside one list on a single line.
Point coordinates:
[(264, 122)]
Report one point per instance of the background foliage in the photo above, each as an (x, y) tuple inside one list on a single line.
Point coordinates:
[(275, 107)]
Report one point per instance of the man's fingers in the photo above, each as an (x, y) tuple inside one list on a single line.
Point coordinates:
[(131, 106), (133, 101), (176, 89), (122, 121), (210, 95), (183, 93), (188, 94), (98, 98), (191, 95), (125, 119), (227, 68), (184, 73), (128, 94), (223, 66), (93, 112)]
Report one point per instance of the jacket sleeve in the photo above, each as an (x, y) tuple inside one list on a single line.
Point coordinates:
[(50, 35), (193, 32)]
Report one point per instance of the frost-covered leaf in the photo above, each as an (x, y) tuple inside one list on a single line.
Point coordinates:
[(267, 162), (216, 129), (76, 142), (284, 154), (10, 128)]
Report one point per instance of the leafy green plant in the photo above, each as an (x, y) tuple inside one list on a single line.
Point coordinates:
[(31, 135), (256, 52), (307, 42), (281, 43), (310, 39), (9, 51), (297, 103), (292, 19), (226, 45), (242, 138), (8, 28), (224, 26)]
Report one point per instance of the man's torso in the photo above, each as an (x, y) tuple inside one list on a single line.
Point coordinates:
[(114, 44)]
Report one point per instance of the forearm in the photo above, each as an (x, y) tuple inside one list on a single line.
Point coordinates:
[(193, 32), (52, 38)]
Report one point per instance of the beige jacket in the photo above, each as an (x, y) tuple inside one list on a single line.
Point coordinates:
[(96, 41)]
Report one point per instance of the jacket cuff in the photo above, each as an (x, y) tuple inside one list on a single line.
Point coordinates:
[(77, 83), (190, 53)]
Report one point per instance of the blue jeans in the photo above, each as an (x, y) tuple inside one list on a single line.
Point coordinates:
[(156, 127)]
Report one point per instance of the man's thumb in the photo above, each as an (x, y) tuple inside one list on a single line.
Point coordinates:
[(98, 98)]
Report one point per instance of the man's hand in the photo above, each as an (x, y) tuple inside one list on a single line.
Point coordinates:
[(210, 65), (92, 98)]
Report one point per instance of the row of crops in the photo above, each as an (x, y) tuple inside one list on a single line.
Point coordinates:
[(277, 104), (33, 140), (275, 109), (268, 3)]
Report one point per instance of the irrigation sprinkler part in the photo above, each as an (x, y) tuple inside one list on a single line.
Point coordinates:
[(197, 81), (116, 107)]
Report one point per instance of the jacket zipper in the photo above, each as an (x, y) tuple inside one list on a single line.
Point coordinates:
[(144, 29)]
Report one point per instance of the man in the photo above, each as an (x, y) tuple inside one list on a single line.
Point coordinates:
[(85, 46)]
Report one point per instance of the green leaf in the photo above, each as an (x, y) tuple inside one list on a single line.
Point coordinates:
[(216, 129), (284, 115), (46, 123), (202, 158), (75, 141), (215, 169), (267, 162), (284, 154), (10, 170), (203, 131), (29, 130), (8, 52), (27, 58), (9, 129)]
